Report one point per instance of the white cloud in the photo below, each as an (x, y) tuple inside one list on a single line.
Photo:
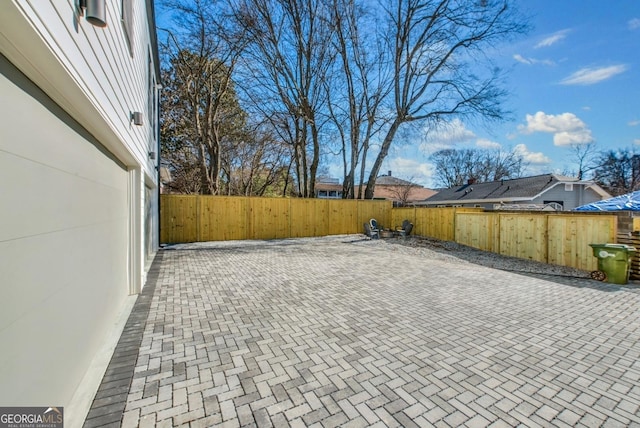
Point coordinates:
[(566, 128), (410, 169), (636, 141), (445, 136), (450, 133), (521, 59), (575, 137), (532, 61), (536, 158), (552, 39), (634, 123), (483, 143), (634, 24), (589, 76)]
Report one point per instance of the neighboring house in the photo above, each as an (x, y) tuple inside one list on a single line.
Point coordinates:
[(548, 191), (328, 188), (387, 187), (79, 186)]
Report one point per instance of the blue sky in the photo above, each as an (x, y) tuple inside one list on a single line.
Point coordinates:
[(574, 78)]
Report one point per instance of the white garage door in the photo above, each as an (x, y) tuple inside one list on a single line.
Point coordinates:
[(63, 245)]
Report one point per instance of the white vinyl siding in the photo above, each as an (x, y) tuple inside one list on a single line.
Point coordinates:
[(98, 60)]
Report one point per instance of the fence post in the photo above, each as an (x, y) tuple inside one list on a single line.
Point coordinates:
[(198, 214)]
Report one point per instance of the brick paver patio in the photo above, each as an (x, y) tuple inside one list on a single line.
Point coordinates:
[(338, 332)]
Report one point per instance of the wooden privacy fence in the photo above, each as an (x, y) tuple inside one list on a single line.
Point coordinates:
[(195, 218), (550, 238), (556, 238), (436, 223)]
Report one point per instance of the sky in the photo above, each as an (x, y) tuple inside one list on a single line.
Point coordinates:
[(574, 78)]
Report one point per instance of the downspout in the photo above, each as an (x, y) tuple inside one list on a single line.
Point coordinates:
[(158, 171)]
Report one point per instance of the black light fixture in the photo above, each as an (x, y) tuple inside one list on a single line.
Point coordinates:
[(95, 12)]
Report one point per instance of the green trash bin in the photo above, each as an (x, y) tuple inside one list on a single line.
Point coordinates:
[(614, 260)]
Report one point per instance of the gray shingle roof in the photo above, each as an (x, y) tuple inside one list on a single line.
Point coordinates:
[(517, 188)]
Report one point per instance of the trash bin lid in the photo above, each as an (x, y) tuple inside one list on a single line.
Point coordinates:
[(621, 247)]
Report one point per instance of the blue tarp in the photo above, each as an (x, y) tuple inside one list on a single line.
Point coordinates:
[(628, 202)]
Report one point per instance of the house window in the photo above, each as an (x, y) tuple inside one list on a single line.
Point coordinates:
[(568, 187), (127, 22)]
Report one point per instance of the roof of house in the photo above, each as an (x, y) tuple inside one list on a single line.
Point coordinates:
[(389, 180), (417, 193), (387, 187), (517, 189)]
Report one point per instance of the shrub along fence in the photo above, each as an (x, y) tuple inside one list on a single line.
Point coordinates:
[(557, 238)]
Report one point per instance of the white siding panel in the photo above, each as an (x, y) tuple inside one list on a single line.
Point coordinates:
[(98, 60)]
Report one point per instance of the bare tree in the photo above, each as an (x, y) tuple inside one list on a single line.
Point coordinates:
[(457, 167), (287, 61), (360, 79), (618, 171), (402, 192), (584, 156), (256, 165), (438, 52)]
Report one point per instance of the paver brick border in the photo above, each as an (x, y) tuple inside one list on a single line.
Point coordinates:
[(110, 400)]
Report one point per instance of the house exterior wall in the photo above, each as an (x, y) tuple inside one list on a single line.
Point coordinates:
[(79, 222), (571, 197)]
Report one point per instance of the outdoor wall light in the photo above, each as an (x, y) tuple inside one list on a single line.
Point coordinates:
[(136, 118), (152, 155), (95, 12)]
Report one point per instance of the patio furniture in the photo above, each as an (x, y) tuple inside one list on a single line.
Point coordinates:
[(387, 233), (405, 229), (371, 233), (375, 227)]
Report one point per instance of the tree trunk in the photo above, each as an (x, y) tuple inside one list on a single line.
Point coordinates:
[(384, 151)]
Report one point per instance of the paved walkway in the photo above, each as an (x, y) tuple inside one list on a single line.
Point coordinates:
[(330, 332)]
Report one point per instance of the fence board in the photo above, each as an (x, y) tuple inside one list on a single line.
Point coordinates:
[(524, 236), (179, 218), (478, 230), (439, 223), (215, 222), (343, 217), (269, 218), (570, 236), (309, 217)]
